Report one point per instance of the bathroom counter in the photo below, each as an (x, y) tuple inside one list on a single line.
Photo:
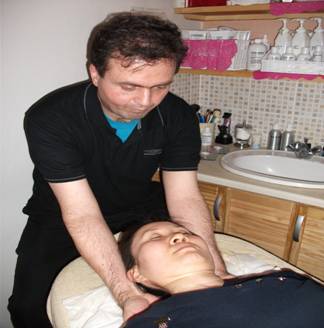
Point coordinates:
[(213, 172)]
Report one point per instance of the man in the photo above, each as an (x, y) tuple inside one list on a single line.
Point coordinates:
[(96, 146)]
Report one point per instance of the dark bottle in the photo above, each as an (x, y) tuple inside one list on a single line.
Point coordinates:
[(224, 137)]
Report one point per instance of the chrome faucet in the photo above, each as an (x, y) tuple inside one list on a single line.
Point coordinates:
[(303, 149)]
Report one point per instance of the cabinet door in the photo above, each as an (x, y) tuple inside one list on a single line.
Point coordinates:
[(308, 245), (263, 220), (215, 198)]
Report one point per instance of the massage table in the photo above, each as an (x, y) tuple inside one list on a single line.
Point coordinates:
[(78, 292)]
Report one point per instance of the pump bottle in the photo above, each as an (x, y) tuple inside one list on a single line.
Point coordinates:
[(283, 38), (300, 39), (317, 38), (287, 138), (274, 138)]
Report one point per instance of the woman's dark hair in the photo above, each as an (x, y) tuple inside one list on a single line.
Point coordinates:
[(133, 35), (125, 243), (126, 237)]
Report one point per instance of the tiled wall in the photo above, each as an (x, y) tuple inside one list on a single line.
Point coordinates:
[(260, 102)]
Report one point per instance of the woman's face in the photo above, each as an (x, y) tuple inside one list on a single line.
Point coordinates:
[(165, 252)]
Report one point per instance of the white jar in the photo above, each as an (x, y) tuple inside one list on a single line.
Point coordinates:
[(274, 54), (256, 52), (289, 54), (206, 139), (304, 55)]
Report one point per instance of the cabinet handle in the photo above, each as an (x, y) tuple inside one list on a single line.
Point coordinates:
[(216, 207), (298, 225)]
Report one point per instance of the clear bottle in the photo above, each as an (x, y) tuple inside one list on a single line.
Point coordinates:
[(206, 140), (317, 56), (274, 54), (304, 55), (274, 138), (283, 38), (289, 55), (287, 138), (317, 38), (300, 39), (256, 52)]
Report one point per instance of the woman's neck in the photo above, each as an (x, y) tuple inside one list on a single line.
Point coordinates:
[(194, 281)]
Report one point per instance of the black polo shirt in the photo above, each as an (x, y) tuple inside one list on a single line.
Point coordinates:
[(69, 139)]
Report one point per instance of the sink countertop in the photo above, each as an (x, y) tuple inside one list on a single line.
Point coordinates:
[(213, 172)]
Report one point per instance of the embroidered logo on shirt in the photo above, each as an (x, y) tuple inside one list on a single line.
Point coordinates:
[(162, 322), (152, 152)]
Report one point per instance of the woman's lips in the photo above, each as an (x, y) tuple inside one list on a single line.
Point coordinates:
[(184, 246)]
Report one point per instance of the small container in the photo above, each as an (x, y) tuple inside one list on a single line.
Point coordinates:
[(242, 134), (317, 56), (206, 140), (256, 141), (256, 52), (289, 55), (287, 138), (274, 54), (274, 138), (304, 55)]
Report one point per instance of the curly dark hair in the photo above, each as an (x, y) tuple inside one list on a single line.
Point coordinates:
[(134, 35)]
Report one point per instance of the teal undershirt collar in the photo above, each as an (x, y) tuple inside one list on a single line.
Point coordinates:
[(123, 129)]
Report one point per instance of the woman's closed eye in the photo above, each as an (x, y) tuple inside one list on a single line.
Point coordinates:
[(155, 236)]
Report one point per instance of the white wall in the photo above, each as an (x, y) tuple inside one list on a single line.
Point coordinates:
[(42, 47)]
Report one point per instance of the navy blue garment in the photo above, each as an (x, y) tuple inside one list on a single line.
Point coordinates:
[(281, 299)]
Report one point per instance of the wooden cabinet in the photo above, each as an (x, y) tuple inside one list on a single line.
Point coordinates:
[(292, 231), (265, 221), (307, 250), (215, 198)]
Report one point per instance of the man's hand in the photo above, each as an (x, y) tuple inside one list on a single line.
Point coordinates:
[(136, 304)]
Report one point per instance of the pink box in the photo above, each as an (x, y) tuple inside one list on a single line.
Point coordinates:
[(209, 54), (202, 3)]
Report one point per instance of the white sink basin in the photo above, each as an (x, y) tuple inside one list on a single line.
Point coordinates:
[(276, 167)]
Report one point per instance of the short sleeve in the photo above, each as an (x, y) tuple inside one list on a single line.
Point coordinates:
[(52, 146), (182, 151)]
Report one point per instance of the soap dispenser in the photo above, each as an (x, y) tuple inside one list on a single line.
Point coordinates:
[(287, 138), (274, 138), (317, 38), (300, 39), (283, 38)]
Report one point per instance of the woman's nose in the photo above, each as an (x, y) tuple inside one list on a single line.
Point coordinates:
[(178, 238)]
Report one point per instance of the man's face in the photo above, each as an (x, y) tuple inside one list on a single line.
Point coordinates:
[(128, 93), (165, 252)]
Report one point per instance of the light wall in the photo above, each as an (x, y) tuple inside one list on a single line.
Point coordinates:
[(42, 47)]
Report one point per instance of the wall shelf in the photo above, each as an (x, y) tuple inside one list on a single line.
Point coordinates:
[(250, 12), (211, 72), (243, 73)]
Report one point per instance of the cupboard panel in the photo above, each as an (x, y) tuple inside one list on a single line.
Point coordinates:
[(310, 254), (262, 220)]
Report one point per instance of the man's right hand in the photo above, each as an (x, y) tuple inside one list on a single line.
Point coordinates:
[(137, 304)]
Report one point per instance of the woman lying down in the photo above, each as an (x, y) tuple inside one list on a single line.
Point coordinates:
[(167, 258)]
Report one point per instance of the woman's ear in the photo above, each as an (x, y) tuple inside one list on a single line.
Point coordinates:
[(134, 275)]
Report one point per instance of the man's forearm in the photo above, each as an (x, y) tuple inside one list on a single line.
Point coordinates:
[(194, 214), (98, 247)]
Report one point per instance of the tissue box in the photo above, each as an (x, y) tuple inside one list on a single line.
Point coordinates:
[(216, 49)]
